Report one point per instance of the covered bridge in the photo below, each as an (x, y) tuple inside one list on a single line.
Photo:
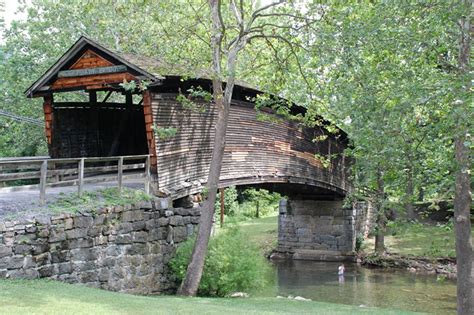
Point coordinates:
[(279, 155)]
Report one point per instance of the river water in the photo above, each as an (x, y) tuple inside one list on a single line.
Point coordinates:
[(394, 289)]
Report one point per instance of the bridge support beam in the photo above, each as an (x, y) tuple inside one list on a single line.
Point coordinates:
[(318, 229)]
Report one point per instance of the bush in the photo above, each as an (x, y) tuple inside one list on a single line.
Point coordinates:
[(232, 264)]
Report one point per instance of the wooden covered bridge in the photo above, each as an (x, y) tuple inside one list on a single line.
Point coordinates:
[(276, 154)]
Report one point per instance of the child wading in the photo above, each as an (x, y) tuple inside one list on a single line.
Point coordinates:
[(340, 270)]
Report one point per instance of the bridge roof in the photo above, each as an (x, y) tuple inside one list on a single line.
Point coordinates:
[(137, 67)]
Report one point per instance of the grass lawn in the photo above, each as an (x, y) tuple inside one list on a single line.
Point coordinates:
[(416, 239), (262, 231), (50, 297)]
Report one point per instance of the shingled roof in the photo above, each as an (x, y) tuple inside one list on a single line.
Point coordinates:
[(143, 67)]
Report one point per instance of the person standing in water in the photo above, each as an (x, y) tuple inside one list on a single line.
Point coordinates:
[(340, 270)]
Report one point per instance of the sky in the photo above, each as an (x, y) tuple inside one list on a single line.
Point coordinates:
[(10, 9)]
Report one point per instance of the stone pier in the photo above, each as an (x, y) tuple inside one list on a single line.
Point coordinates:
[(319, 229)]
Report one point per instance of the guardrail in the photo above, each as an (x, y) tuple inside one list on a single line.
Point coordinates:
[(58, 172)]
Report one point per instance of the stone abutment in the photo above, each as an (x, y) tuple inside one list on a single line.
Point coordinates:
[(121, 248)]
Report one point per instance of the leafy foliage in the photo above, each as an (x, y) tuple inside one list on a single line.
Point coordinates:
[(165, 133), (232, 264)]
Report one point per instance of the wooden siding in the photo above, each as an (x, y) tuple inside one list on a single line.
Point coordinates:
[(256, 151), (90, 60)]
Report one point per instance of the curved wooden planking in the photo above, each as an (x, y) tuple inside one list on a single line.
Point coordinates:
[(256, 151)]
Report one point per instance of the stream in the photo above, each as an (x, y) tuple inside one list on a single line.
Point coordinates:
[(392, 289)]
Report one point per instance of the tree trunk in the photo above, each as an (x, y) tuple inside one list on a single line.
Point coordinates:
[(190, 284), (381, 218), (222, 100), (257, 212), (409, 193), (462, 198)]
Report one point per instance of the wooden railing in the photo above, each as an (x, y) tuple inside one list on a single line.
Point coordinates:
[(73, 171)]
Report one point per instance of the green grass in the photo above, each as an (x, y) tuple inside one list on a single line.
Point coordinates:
[(90, 201), (416, 239), (50, 297), (263, 232)]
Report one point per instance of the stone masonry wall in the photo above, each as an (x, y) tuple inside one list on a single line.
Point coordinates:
[(318, 225), (121, 248)]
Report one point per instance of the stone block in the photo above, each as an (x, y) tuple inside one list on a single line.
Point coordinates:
[(103, 274), (80, 243), (186, 220), (22, 249), (99, 219), (60, 256), (124, 239), (140, 237), (100, 240), (154, 248), (76, 233), (181, 211), (42, 259), (57, 235), (81, 266), (195, 212), (138, 225), (40, 248), (5, 251), (46, 271), (151, 224), (94, 231), (163, 221), (43, 232), (176, 220), (88, 276), (83, 221), (134, 215), (31, 229), (68, 223), (161, 203), (125, 227), (83, 254), (179, 234), (113, 250), (136, 249)]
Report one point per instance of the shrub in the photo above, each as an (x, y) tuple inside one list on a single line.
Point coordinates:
[(232, 264)]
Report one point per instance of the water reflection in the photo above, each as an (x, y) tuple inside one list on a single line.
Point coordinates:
[(396, 289)]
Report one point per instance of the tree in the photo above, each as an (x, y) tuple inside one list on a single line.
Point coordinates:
[(462, 198), (227, 41), (399, 83)]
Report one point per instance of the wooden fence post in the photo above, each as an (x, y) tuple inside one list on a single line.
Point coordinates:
[(80, 176), (120, 173), (147, 174), (43, 177)]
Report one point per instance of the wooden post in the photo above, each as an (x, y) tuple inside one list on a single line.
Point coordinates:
[(80, 176), (120, 173), (93, 97), (43, 177), (222, 206), (48, 118), (147, 174), (150, 135)]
